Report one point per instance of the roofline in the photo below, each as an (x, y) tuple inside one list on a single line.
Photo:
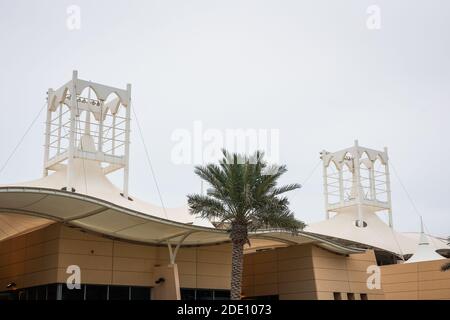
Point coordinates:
[(101, 202), (325, 243)]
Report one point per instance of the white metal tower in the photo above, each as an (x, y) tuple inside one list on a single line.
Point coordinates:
[(81, 109), (357, 177)]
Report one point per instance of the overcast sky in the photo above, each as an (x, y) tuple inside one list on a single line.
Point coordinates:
[(311, 69)]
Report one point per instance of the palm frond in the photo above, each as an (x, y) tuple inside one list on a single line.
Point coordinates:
[(284, 220), (243, 195), (286, 188), (240, 189), (206, 207)]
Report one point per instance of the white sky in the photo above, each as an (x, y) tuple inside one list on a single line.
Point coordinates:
[(311, 69)]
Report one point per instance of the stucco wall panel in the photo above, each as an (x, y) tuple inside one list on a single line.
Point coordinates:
[(42, 257), (421, 280), (307, 272)]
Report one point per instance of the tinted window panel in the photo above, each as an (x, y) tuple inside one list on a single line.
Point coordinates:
[(23, 295), (119, 293), (41, 293), (31, 294), (221, 295), (187, 294), (74, 294), (204, 295), (51, 291), (94, 292), (140, 293)]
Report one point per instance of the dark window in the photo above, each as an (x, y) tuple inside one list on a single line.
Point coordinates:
[(187, 294), (205, 295), (86, 292), (119, 293), (94, 292), (51, 291), (350, 296), (41, 293), (72, 294), (23, 295), (221, 295), (8, 295), (140, 293), (31, 294), (364, 296), (337, 296)]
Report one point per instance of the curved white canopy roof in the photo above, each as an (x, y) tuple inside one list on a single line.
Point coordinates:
[(376, 234), (24, 204), (97, 206), (426, 250), (89, 180)]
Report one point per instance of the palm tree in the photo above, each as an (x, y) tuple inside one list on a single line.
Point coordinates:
[(243, 197)]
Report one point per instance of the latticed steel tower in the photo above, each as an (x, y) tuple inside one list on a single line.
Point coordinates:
[(357, 177), (89, 121)]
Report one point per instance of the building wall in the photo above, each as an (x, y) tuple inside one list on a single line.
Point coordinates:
[(287, 272), (295, 272), (30, 259), (416, 281), (341, 274), (42, 257), (307, 272)]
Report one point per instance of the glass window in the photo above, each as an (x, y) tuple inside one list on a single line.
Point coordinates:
[(140, 293), (187, 294), (51, 291), (23, 295), (337, 296), (204, 294), (364, 296), (31, 294), (41, 293), (119, 293), (94, 292), (350, 296), (72, 294), (221, 295)]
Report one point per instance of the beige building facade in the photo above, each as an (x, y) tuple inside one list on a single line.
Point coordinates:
[(41, 259), (308, 273), (74, 227), (416, 281)]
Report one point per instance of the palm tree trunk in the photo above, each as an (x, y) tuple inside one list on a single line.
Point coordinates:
[(236, 271), (239, 236)]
